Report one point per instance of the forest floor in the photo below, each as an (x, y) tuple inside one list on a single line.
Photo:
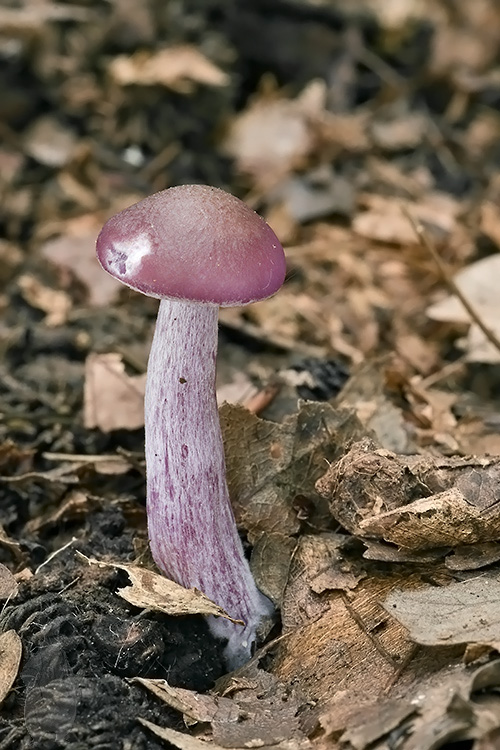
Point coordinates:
[(360, 405)]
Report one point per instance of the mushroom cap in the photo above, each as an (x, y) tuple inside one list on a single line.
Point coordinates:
[(193, 242)]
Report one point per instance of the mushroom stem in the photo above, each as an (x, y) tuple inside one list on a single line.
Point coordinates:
[(191, 525)]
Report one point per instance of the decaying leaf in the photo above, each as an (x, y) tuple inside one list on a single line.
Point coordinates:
[(384, 220), (260, 712), (112, 400), (376, 721), (416, 502), (462, 612), (177, 67), (49, 142), (366, 392), (178, 739), (74, 505), (269, 465), (10, 658), (12, 546), (8, 584), (73, 253), (327, 656), (479, 283), (318, 565), (152, 591), (275, 134), (54, 302), (473, 556)]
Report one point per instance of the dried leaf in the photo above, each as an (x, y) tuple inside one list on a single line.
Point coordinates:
[(260, 712), (479, 283), (74, 252), (178, 739), (10, 658), (463, 612), (49, 142), (112, 400), (176, 68), (75, 505), (195, 706), (385, 221), (274, 135), (269, 464), (8, 583), (55, 303), (376, 721), (457, 498), (473, 557), (152, 591)]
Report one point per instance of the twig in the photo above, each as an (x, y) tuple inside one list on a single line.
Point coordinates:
[(427, 243)]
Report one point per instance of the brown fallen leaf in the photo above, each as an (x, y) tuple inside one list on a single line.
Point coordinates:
[(152, 591), (112, 400), (416, 502), (445, 519), (49, 142), (178, 739), (318, 565), (8, 584), (375, 721), (75, 505), (55, 303), (260, 712), (178, 67), (478, 282), (463, 612), (367, 393), (275, 135), (10, 658), (269, 465), (12, 546), (384, 220), (490, 220), (73, 252), (473, 557)]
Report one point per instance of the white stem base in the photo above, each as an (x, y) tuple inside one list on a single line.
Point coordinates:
[(192, 531)]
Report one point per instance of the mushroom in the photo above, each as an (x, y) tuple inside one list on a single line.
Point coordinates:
[(195, 248)]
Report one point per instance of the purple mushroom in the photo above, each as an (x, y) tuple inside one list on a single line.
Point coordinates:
[(195, 248)]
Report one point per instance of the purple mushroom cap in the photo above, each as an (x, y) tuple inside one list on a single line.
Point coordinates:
[(193, 242)]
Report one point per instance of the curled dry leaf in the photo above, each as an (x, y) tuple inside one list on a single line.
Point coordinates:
[(152, 591), (112, 400), (10, 658), (75, 505), (12, 546), (416, 502)]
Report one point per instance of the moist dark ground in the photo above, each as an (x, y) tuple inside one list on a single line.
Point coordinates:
[(81, 642)]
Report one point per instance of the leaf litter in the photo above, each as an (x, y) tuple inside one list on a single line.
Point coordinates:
[(372, 513)]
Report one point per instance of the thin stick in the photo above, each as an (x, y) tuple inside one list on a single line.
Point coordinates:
[(427, 243)]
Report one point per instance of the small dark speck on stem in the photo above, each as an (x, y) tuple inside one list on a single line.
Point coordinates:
[(182, 380)]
